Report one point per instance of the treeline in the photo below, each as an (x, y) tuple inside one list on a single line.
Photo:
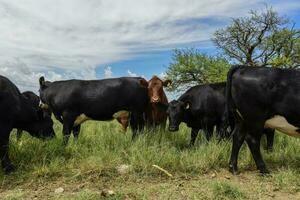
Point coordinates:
[(263, 38)]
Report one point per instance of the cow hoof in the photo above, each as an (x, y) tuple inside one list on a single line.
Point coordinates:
[(9, 169), (264, 172), (234, 172)]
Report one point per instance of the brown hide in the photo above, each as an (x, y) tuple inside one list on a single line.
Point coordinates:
[(154, 116)]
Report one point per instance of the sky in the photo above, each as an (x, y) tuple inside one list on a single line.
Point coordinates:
[(96, 39)]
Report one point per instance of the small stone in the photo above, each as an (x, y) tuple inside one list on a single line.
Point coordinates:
[(227, 177), (213, 175), (59, 190), (123, 169), (107, 193)]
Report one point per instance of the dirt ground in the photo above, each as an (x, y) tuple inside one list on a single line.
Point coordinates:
[(95, 185)]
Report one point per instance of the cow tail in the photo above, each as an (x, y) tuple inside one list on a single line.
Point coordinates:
[(230, 106)]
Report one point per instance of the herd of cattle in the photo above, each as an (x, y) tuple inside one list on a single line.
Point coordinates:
[(253, 102)]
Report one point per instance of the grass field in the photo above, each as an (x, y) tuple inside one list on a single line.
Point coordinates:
[(86, 168)]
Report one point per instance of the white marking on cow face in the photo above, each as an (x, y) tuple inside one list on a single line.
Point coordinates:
[(280, 123), (80, 119)]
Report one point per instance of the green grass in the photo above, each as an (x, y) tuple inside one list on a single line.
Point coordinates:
[(102, 147), (225, 190)]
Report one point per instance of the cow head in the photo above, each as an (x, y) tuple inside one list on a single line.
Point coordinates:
[(176, 110), (155, 89), (41, 124)]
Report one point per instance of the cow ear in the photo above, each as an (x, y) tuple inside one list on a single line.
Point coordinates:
[(167, 83), (143, 82), (42, 81)]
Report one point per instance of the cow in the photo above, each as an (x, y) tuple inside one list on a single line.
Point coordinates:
[(75, 101), (17, 111), (258, 98), (154, 116), (122, 116), (200, 107)]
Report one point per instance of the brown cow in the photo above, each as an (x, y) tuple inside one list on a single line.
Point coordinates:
[(155, 116)]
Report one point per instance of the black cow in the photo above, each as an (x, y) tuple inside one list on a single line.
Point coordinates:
[(16, 111), (261, 98), (200, 107), (75, 101)]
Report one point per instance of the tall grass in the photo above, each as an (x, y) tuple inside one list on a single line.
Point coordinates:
[(102, 147)]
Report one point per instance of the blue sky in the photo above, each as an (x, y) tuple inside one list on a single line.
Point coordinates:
[(99, 39), (148, 64)]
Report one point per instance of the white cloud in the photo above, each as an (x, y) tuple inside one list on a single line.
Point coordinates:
[(131, 73), (162, 75), (107, 72), (70, 38)]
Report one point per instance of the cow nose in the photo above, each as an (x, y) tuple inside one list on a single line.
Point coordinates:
[(155, 99)]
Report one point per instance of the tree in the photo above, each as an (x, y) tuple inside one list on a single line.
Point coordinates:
[(263, 38), (191, 67), (288, 55)]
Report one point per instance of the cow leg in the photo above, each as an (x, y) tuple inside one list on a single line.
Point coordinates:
[(237, 141), (270, 138), (19, 134), (253, 142), (141, 122), (222, 127), (7, 166), (68, 122), (194, 134), (208, 132), (58, 117), (134, 124), (137, 123), (221, 131), (76, 131)]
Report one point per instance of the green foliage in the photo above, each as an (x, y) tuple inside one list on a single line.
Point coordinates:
[(191, 67), (288, 55), (262, 38), (288, 179)]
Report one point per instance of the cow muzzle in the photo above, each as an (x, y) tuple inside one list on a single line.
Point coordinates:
[(155, 100)]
